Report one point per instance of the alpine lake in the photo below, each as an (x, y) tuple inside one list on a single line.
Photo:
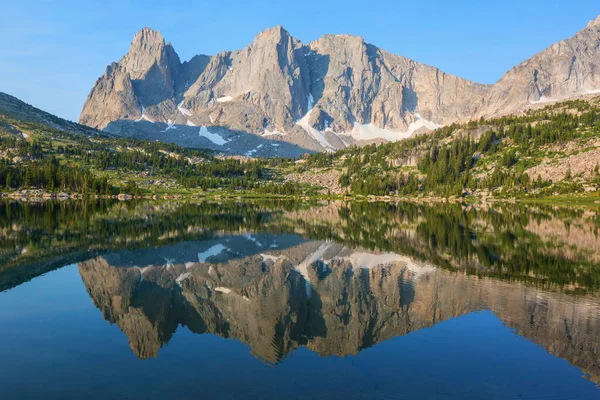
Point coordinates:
[(314, 300)]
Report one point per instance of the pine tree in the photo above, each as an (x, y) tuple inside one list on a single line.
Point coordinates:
[(9, 180)]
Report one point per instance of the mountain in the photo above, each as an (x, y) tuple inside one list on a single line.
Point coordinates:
[(279, 96), (13, 108), (325, 95), (326, 297), (567, 69)]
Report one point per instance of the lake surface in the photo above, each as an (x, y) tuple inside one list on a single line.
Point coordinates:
[(287, 300)]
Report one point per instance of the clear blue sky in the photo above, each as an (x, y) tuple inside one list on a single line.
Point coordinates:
[(51, 52)]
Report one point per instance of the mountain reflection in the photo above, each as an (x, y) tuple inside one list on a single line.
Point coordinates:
[(278, 292), (335, 278)]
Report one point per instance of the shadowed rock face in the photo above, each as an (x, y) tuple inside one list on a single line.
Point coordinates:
[(356, 82), (333, 92), (330, 299)]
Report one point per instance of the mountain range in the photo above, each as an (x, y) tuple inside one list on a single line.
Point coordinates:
[(321, 295), (280, 96)]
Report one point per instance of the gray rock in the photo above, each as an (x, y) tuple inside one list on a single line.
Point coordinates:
[(333, 92), (567, 69)]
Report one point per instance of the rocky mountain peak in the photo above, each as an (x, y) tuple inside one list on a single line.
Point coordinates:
[(147, 48), (273, 36), (343, 42), (566, 69), (595, 22), (333, 92), (147, 38), (276, 31), (344, 37)]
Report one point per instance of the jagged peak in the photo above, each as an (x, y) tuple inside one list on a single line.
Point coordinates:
[(595, 22), (338, 40), (345, 36), (110, 68), (148, 32), (148, 47), (276, 33), (147, 38)]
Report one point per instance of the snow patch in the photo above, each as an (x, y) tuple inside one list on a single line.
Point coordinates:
[(182, 278), (224, 99), (302, 268), (311, 102), (211, 252), (142, 270), (362, 131), (223, 290), (304, 122), (170, 125), (169, 262), (253, 151), (422, 123), (371, 131), (184, 111), (144, 117), (271, 133), (592, 91), (269, 257), (213, 137), (190, 123), (543, 100), (252, 239), (371, 260)]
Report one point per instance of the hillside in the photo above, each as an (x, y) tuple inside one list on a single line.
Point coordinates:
[(43, 155), (548, 151)]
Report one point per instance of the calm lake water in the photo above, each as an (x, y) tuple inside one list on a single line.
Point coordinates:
[(283, 300)]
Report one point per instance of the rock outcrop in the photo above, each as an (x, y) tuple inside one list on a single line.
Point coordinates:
[(328, 94), (325, 95), (567, 69)]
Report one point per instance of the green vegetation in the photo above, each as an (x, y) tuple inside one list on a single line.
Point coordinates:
[(41, 236), (62, 162), (487, 155), (494, 156), (538, 244), (500, 243)]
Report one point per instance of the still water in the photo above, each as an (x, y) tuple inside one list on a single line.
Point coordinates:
[(283, 300)]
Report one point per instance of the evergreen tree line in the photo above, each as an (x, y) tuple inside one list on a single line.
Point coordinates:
[(51, 175), (446, 162)]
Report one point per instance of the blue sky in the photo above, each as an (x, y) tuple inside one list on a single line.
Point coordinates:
[(51, 52)]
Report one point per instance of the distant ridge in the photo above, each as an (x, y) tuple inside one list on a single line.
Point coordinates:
[(14, 108)]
